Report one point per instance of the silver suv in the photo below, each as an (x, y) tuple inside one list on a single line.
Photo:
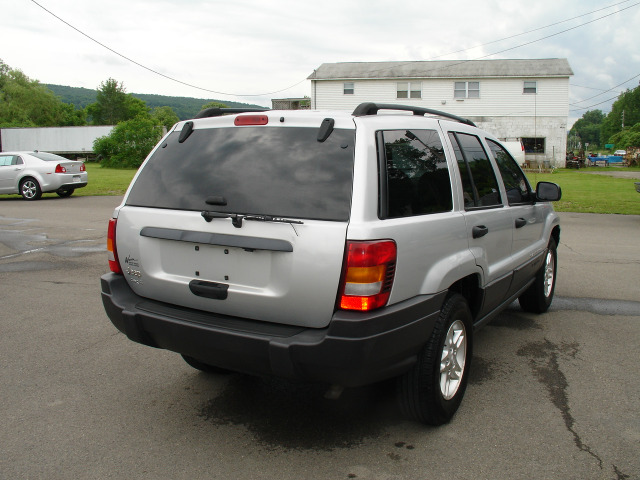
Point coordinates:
[(332, 247)]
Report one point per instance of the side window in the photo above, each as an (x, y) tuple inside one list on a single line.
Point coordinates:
[(5, 160), (516, 184), (479, 183), (415, 175)]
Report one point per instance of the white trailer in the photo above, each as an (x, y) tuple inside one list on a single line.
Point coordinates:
[(70, 142)]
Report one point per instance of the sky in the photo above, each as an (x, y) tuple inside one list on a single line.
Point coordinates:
[(251, 50)]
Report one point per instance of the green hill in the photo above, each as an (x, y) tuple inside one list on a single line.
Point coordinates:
[(185, 107)]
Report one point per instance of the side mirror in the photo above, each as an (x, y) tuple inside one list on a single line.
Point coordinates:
[(548, 192)]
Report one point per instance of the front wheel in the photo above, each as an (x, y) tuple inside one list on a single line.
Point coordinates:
[(537, 298), (432, 390), (30, 189)]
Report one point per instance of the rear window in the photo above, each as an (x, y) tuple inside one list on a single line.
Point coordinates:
[(279, 171), (48, 157)]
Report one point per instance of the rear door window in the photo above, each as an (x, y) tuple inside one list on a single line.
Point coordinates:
[(414, 173), (479, 183), (279, 171)]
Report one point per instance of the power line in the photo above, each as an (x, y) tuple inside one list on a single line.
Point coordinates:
[(594, 105), (530, 31), (155, 71), (606, 91), (382, 69)]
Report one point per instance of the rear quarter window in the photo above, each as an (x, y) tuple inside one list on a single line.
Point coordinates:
[(414, 174)]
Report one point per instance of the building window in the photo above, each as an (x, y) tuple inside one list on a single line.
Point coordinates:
[(409, 90), (466, 90), (533, 145), (530, 87), (349, 88)]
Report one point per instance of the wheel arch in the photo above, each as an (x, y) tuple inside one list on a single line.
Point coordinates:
[(469, 288)]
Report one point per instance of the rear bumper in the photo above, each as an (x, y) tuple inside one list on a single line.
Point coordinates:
[(355, 349)]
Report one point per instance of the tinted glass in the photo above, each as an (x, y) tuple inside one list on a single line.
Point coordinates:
[(48, 157), (417, 175), (516, 184), (479, 182), (277, 171)]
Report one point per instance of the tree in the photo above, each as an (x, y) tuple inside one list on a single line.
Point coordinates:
[(129, 143), (27, 103), (114, 105), (629, 137), (588, 127), (213, 105), (625, 110), (164, 116)]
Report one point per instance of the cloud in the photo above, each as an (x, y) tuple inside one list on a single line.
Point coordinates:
[(256, 47)]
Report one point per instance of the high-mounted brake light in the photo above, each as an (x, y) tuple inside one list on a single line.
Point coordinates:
[(60, 169), (369, 269), (251, 120), (112, 251)]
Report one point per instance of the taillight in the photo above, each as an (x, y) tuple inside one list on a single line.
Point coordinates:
[(251, 120), (369, 269), (60, 169), (82, 167), (112, 251)]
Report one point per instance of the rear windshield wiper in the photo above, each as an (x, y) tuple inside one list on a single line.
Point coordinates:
[(236, 218), (269, 218)]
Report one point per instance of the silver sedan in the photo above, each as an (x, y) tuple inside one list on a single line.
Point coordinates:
[(33, 173)]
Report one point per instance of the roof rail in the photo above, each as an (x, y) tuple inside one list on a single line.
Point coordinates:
[(369, 108), (217, 111)]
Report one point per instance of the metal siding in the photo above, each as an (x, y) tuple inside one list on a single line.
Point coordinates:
[(53, 139), (502, 109)]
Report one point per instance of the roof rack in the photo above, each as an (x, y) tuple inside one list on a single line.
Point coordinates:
[(369, 108), (217, 112)]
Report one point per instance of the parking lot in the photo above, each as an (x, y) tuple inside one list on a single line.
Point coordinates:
[(550, 396)]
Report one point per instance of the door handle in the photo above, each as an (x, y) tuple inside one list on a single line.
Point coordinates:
[(479, 231), (520, 222)]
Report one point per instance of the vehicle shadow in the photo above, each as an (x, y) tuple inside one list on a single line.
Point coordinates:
[(282, 414)]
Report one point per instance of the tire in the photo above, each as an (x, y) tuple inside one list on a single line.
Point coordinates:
[(204, 367), (537, 298), (432, 390), (65, 193), (30, 189)]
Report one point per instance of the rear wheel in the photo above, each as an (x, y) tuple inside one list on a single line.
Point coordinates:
[(432, 390), (537, 298), (204, 367), (65, 193), (30, 189)]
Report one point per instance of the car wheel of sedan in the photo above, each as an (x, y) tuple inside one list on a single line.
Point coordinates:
[(432, 390), (30, 189), (204, 367), (537, 298), (65, 193)]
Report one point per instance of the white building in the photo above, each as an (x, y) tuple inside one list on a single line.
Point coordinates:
[(525, 100)]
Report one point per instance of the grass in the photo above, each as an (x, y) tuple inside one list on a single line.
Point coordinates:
[(581, 192), (587, 193), (106, 181)]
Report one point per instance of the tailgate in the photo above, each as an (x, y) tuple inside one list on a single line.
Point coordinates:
[(274, 272)]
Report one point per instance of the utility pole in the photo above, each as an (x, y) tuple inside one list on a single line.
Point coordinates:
[(623, 119)]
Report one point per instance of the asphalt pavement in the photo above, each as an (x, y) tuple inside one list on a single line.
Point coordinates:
[(551, 396)]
